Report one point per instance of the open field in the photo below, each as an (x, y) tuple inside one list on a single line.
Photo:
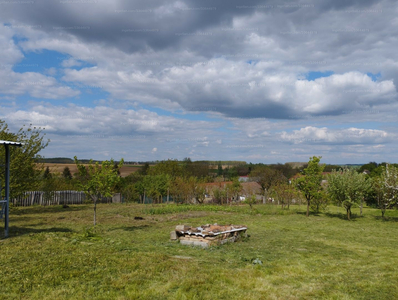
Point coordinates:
[(58, 168), (53, 254)]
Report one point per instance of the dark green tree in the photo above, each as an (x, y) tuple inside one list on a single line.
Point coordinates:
[(219, 169), (66, 173), (144, 170), (47, 173)]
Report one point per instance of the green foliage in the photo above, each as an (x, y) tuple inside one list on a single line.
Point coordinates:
[(310, 183), (347, 188), (24, 172), (235, 188), (219, 169), (371, 167), (47, 174), (144, 170), (284, 193), (387, 185), (330, 168), (156, 186), (196, 169), (100, 180), (251, 200), (66, 174), (167, 167), (267, 178)]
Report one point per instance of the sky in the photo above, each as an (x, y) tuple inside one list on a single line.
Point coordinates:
[(256, 81)]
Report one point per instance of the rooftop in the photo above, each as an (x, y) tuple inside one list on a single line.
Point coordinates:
[(10, 143)]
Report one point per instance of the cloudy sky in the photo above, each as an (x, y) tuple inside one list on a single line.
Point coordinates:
[(259, 81)]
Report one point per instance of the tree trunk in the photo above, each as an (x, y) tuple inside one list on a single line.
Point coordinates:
[(383, 211), (308, 207), (361, 207), (95, 212), (349, 214)]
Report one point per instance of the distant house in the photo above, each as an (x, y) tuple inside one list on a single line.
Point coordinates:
[(248, 189), (243, 178)]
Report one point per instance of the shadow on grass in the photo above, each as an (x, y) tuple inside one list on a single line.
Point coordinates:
[(45, 209), (18, 231), (342, 216), (386, 218), (130, 228), (312, 213)]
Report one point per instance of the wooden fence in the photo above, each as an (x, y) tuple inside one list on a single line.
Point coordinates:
[(58, 198)]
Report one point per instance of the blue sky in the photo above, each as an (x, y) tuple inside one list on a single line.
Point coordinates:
[(106, 80)]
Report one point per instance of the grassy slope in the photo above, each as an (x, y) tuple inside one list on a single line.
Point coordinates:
[(52, 255)]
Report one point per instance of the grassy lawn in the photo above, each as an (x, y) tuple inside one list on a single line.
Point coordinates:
[(53, 253)]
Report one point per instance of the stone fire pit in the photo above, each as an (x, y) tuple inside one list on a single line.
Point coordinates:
[(208, 235)]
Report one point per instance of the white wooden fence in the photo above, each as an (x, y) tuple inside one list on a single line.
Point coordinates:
[(58, 198)]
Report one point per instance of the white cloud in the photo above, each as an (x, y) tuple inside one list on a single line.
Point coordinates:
[(314, 135), (70, 63), (245, 67)]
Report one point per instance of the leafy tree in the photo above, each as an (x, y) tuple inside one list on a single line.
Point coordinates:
[(319, 202), (251, 200), (267, 178), (330, 168), (132, 187), (369, 167), (198, 169), (230, 173), (24, 172), (243, 170), (284, 193), (234, 188), (47, 174), (217, 195), (156, 186), (310, 183), (169, 167), (286, 169), (144, 170), (389, 180), (378, 188), (180, 190), (348, 188), (101, 180), (219, 169), (66, 173)]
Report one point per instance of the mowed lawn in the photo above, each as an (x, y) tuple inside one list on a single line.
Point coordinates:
[(53, 254)]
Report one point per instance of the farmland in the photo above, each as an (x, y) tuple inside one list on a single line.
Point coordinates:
[(54, 253), (58, 168)]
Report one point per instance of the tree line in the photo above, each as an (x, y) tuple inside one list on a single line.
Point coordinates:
[(187, 181)]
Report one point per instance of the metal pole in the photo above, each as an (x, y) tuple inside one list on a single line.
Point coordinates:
[(7, 190)]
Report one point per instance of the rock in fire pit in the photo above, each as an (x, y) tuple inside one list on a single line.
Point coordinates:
[(208, 235)]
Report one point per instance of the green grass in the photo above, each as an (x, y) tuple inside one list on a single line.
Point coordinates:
[(54, 253)]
